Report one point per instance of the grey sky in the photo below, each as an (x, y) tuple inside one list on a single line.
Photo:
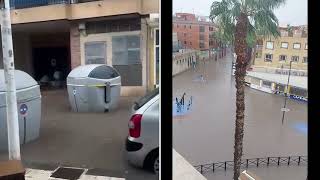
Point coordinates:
[(294, 12)]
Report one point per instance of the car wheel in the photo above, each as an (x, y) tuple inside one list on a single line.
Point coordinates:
[(152, 161), (156, 166)]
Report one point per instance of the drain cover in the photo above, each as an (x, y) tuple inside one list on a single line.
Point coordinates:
[(67, 173)]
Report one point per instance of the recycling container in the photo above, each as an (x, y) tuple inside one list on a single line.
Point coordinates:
[(29, 108), (94, 88)]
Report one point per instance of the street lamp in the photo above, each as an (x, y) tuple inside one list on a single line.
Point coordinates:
[(284, 109)]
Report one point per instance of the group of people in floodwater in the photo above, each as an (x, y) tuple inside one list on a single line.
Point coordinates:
[(180, 103)]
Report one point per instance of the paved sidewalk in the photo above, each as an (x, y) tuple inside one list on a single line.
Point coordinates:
[(37, 174)]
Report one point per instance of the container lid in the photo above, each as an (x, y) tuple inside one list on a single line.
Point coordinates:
[(98, 71), (104, 72), (23, 80)]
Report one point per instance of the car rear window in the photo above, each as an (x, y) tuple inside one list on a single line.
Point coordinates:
[(143, 100)]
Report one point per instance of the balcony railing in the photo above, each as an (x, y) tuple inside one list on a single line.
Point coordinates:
[(20, 4)]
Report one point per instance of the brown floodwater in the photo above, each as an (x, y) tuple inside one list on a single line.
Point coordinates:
[(206, 133)]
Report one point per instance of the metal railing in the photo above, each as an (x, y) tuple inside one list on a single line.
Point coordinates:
[(254, 162), (20, 4)]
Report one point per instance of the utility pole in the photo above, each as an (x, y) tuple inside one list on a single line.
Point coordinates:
[(11, 97), (286, 95)]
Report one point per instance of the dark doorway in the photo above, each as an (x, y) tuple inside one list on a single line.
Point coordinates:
[(47, 60)]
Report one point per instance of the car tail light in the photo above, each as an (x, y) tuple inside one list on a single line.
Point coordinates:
[(135, 125)]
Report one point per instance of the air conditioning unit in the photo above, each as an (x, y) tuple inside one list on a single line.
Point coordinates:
[(154, 17), (82, 26)]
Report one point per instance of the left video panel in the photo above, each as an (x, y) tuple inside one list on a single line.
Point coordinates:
[(87, 89)]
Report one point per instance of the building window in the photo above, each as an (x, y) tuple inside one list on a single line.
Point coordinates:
[(185, 42), (157, 60), (126, 59), (282, 58), (185, 26), (201, 28), (184, 34), (284, 45), (295, 58), (108, 26), (296, 45), (305, 60), (201, 37), (190, 43), (266, 84), (268, 58), (201, 45), (177, 25), (95, 52), (190, 26), (258, 54), (306, 46), (269, 45)]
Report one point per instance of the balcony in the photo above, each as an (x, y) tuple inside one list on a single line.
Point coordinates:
[(29, 11), (20, 4)]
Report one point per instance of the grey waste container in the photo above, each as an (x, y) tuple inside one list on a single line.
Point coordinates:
[(29, 108), (94, 88)]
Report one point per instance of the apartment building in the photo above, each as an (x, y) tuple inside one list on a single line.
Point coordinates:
[(68, 33), (194, 32), (274, 54)]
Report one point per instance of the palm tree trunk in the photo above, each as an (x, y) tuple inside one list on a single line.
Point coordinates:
[(241, 62)]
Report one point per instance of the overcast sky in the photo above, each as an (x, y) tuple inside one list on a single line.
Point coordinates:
[(294, 12)]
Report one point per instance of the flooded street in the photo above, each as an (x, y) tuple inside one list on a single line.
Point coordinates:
[(206, 133)]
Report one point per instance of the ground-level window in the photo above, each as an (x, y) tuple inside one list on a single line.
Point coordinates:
[(295, 58), (268, 58), (305, 60), (306, 46), (126, 59), (266, 84), (298, 92), (282, 58), (95, 52)]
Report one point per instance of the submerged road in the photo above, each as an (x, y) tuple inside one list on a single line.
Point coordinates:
[(206, 133)]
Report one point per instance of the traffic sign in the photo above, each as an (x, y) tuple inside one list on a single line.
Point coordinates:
[(285, 109), (23, 109)]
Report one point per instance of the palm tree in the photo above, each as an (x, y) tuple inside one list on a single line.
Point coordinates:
[(241, 22)]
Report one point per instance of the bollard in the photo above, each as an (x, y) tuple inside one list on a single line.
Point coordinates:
[(268, 161), (257, 162), (278, 161), (225, 166), (201, 169), (247, 162), (289, 161), (299, 160), (212, 167)]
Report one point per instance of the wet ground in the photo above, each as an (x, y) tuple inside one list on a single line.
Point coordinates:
[(88, 140), (206, 134)]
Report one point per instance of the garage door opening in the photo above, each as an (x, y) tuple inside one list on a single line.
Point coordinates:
[(51, 66)]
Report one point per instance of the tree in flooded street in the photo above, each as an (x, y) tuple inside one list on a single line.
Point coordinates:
[(241, 22)]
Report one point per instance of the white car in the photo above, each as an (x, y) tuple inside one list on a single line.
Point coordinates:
[(142, 144)]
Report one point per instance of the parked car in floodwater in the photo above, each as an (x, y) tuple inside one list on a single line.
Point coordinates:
[(142, 144)]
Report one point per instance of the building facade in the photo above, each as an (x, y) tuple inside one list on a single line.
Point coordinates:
[(183, 60), (123, 34), (274, 54), (194, 32)]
